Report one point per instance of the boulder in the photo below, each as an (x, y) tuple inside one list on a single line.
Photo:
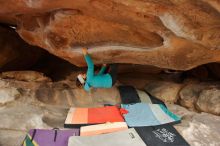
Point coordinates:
[(23, 117), (63, 95), (198, 129), (190, 94), (154, 32), (166, 91), (209, 101)]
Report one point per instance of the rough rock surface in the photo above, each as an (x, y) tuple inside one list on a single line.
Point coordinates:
[(8, 94), (190, 94), (139, 81), (25, 76), (209, 101), (29, 112), (153, 32), (198, 129), (166, 91), (11, 137), (201, 96), (71, 96)]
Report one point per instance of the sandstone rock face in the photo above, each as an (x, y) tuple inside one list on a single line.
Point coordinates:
[(8, 95), (138, 80), (24, 76), (201, 96), (15, 54), (63, 95), (197, 129), (27, 115), (190, 94), (11, 137), (209, 101), (166, 91), (151, 32)]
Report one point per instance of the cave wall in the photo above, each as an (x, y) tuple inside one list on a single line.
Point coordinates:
[(15, 53), (170, 34)]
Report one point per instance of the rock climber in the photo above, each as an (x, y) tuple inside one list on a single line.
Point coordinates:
[(103, 79)]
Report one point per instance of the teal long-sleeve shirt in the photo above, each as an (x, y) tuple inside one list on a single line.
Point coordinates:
[(99, 80)]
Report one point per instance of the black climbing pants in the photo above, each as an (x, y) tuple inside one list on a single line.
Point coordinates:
[(113, 72)]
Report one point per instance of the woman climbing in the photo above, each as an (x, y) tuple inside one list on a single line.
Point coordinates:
[(100, 80)]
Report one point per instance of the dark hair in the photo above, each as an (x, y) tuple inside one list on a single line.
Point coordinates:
[(78, 83)]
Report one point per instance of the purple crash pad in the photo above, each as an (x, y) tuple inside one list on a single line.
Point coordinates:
[(54, 137)]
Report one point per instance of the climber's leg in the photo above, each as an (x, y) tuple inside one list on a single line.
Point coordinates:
[(113, 72)]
